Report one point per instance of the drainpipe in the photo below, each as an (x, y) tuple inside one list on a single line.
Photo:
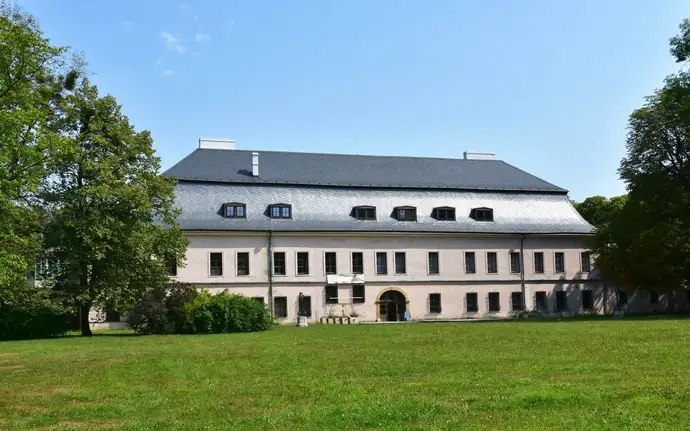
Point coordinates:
[(270, 272), (522, 271)]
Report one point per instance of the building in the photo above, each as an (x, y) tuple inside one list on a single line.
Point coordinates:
[(384, 237)]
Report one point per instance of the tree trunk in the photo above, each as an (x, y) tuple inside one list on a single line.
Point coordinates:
[(84, 320)]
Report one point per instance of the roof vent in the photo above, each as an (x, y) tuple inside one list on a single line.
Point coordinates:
[(468, 155), (255, 164), (217, 144)]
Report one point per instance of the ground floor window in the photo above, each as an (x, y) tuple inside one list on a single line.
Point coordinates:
[(622, 298), (540, 300), (561, 301), (307, 305), (112, 316), (516, 303), (471, 302), (494, 302), (358, 294), (434, 303), (280, 306), (587, 300), (259, 299), (331, 294), (653, 297)]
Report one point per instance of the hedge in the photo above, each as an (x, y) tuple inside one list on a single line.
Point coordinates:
[(225, 313)]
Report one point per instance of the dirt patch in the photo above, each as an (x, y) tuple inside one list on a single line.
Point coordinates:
[(70, 425), (31, 409), (11, 367)]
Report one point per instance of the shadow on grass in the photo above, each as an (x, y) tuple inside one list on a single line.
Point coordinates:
[(594, 318)]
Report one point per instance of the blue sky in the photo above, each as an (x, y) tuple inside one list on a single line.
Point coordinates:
[(547, 85)]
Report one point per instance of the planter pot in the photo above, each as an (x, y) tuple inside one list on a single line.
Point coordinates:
[(354, 320), (330, 320), (567, 314), (322, 320)]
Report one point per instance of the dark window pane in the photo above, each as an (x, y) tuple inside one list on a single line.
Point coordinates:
[(381, 263), (622, 297), (243, 263), (472, 303), (302, 263), (230, 211), (240, 211), (258, 299), (515, 263), (494, 301), (216, 264), (561, 301), (400, 266), (331, 294), (286, 212), (279, 263), (491, 263), (559, 258), (280, 305), (307, 306), (358, 293), (516, 303), (112, 316), (171, 267), (538, 262), (275, 212), (433, 262), (587, 300), (434, 303), (586, 261), (482, 214), (541, 301), (331, 265), (445, 214), (470, 263), (357, 263), (653, 297)]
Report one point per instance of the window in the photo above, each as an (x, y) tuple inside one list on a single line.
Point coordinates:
[(538, 262), (491, 263), (216, 264), (235, 210), (357, 262), (365, 213), (471, 303), (433, 263), (331, 294), (280, 306), (243, 263), (302, 263), (586, 261), (279, 263), (561, 301), (515, 262), (381, 263), (559, 261), (280, 211), (400, 266), (358, 293), (406, 213), (112, 316), (258, 299), (307, 305), (540, 300), (622, 297), (482, 214), (171, 267), (444, 213), (516, 303), (434, 303), (494, 302), (587, 300), (48, 266), (331, 264), (470, 265), (653, 297)]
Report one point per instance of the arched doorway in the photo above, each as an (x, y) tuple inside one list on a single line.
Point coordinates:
[(392, 306)]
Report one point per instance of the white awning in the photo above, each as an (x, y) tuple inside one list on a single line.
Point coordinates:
[(345, 279)]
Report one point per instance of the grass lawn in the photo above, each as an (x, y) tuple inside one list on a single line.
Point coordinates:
[(577, 374)]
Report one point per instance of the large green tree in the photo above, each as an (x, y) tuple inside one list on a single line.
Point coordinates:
[(112, 223), (33, 79)]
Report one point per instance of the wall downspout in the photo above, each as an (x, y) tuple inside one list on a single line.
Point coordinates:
[(270, 272), (522, 271)]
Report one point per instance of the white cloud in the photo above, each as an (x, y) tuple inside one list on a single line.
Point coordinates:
[(172, 43), (203, 37), (168, 72)]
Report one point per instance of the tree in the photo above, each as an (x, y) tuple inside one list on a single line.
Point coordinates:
[(599, 210), (31, 83), (112, 223)]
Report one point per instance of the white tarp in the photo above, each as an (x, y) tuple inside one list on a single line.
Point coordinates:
[(345, 279)]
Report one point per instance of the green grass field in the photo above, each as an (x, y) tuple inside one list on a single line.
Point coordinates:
[(578, 374)]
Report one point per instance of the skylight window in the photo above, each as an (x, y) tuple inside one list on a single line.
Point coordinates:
[(280, 211), (234, 210), (482, 214), (444, 213), (405, 213), (365, 212)]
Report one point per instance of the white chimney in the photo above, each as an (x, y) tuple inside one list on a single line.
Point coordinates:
[(255, 164), (217, 144), (468, 155)]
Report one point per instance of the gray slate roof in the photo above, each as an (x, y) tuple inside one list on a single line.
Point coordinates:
[(287, 168), (329, 208)]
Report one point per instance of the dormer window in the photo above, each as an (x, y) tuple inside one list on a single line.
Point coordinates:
[(444, 213), (234, 210), (280, 211), (482, 214), (405, 213), (364, 212)]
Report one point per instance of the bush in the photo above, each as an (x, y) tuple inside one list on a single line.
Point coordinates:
[(161, 310), (35, 316), (225, 313)]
